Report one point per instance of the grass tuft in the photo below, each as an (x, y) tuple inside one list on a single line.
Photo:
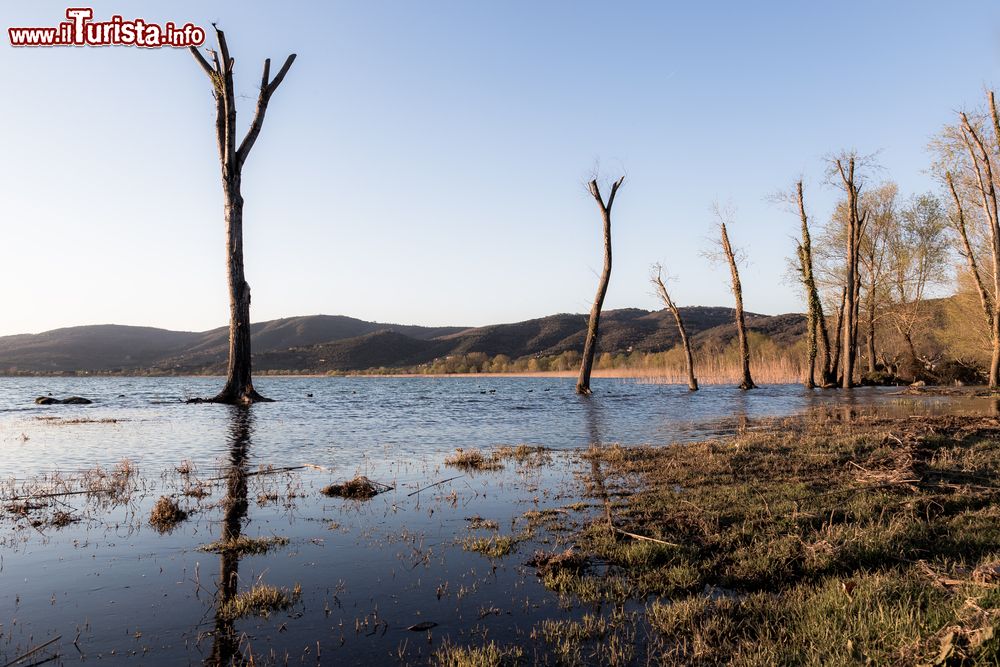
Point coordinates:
[(260, 600), (359, 488), (245, 546), (166, 514), (490, 654)]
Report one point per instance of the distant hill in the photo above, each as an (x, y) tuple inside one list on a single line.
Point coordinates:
[(324, 343)]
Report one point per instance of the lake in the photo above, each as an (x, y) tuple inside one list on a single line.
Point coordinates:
[(344, 423), (384, 581)]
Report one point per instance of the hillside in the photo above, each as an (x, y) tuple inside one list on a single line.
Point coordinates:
[(324, 343)]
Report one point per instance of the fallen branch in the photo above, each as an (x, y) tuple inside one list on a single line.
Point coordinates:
[(636, 536), (33, 651)]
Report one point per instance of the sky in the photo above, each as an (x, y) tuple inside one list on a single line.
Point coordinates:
[(425, 162)]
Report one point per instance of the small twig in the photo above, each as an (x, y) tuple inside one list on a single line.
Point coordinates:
[(430, 486)]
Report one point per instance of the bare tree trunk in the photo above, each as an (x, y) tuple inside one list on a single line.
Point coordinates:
[(970, 257), (870, 338), (855, 221), (741, 327), (811, 323), (590, 345), (988, 191), (239, 384), (669, 303), (817, 320), (837, 347)]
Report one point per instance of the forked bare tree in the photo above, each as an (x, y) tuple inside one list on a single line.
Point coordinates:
[(590, 345), (239, 384), (661, 290), (845, 165), (746, 382)]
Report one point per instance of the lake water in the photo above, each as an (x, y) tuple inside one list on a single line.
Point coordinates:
[(346, 423), (107, 587)]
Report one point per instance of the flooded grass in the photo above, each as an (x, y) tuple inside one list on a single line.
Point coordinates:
[(475, 459), (845, 541), (819, 543), (260, 600), (245, 546), (495, 546), (472, 459)]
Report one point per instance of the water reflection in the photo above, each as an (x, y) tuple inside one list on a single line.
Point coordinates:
[(599, 489), (225, 647)]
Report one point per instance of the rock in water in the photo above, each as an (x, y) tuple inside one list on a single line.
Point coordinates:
[(72, 400)]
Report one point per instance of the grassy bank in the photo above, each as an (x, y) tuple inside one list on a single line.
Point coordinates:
[(875, 542)]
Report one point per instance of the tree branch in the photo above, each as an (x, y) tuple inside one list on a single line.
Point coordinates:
[(201, 60), (267, 89)]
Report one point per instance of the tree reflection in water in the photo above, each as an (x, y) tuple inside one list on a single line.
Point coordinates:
[(226, 645)]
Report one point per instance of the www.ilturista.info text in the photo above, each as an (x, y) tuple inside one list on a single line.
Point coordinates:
[(81, 30)]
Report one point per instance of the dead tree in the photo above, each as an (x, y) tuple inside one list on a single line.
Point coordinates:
[(590, 345), (741, 328), (958, 222), (818, 336), (661, 290), (239, 384), (983, 167), (855, 227)]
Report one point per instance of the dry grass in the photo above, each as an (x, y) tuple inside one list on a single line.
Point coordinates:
[(166, 514), (479, 523), (476, 459), (710, 369), (525, 455), (490, 654), (260, 600), (875, 541), (116, 484), (359, 488), (472, 459)]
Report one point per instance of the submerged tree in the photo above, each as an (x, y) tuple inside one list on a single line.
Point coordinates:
[(661, 290), (590, 345), (239, 384), (846, 167), (746, 382)]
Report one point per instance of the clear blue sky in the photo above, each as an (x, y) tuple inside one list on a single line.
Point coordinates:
[(424, 162)]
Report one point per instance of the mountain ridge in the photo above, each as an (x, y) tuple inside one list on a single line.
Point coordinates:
[(338, 343)]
